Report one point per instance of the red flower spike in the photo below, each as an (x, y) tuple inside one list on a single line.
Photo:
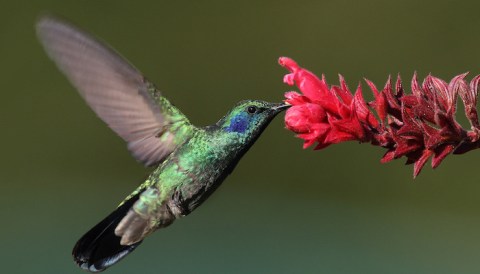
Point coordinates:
[(379, 103), (418, 126), (301, 118), (389, 155), (469, 98), (294, 98), (416, 91), (417, 167), (393, 104), (398, 86), (343, 91), (441, 153), (362, 110)]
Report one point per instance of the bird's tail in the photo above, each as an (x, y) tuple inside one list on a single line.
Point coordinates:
[(100, 248)]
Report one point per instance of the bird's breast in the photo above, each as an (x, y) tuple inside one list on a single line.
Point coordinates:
[(196, 170)]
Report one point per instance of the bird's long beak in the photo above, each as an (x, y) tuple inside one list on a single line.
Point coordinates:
[(280, 107)]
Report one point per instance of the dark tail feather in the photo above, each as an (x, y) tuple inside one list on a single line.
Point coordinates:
[(100, 248)]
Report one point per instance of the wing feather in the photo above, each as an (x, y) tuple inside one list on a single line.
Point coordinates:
[(116, 91)]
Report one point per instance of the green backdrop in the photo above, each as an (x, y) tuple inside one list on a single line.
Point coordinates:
[(284, 209)]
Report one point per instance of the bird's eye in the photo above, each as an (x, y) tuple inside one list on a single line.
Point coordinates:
[(251, 109)]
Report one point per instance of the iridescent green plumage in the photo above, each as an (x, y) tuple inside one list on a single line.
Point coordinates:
[(192, 162), (196, 168)]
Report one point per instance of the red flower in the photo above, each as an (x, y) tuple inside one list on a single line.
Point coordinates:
[(419, 126)]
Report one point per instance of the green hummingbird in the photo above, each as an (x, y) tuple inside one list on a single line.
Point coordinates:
[(191, 162)]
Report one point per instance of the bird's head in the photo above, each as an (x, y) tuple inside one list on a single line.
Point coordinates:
[(249, 118)]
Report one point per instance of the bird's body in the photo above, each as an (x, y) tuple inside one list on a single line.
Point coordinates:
[(191, 162), (191, 172)]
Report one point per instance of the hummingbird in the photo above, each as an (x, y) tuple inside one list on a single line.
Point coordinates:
[(190, 162)]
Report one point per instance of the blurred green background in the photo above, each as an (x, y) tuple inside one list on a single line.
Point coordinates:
[(284, 209)]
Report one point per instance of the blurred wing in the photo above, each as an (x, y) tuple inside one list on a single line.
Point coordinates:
[(115, 90)]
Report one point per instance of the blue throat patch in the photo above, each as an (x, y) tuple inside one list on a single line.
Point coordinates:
[(239, 123)]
